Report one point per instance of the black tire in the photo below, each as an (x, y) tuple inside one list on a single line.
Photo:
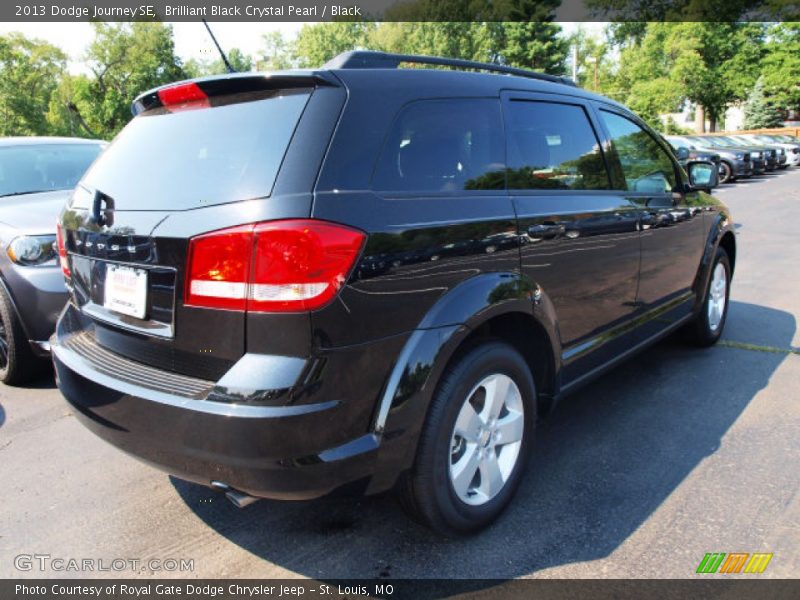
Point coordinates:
[(18, 364), (701, 331), (727, 175), (427, 492)]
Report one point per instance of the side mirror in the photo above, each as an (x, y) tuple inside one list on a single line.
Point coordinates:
[(682, 153), (703, 175)]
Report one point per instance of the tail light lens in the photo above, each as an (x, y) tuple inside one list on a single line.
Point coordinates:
[(62, 251), (276, 266)]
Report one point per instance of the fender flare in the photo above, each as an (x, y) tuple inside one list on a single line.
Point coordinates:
[(404, 401), (722, 223)]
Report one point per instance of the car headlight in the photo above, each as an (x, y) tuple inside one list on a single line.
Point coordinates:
[(739, 156), (30, 250)]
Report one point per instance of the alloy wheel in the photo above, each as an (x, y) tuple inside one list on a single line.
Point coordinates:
[(717, 296), (486, 440)]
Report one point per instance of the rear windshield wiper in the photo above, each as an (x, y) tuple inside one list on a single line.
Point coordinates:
[(24, 193)]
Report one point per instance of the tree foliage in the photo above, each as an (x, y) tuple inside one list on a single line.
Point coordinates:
[(124, 60), (29, 73), (781, 64), (240, 62), (759, 111), (653, 67)]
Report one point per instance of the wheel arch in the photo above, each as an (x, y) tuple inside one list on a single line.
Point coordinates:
[(720, 235), (495, 306)]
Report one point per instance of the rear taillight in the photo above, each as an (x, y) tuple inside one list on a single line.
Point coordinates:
[(276, 266), (62, 251)]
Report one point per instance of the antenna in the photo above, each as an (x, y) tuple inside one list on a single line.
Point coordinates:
[(219, 49)]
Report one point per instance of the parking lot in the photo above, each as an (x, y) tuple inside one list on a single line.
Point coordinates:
[(677, 453)]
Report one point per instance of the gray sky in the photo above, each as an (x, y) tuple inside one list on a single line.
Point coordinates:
[(191, 39)]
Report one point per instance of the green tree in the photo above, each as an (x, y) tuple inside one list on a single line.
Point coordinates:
[(469, 41), (537, 46), (759, 111), (124, 60), (595, 64), (276, 52), (781, 65), (709, 64), (240, 62), (318, 43), (715, 64), (29, 74)]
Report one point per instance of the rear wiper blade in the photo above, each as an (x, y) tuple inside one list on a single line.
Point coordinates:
[(25, 193)]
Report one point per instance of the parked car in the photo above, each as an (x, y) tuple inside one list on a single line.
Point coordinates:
[(36, 177), (684, 154), (770, 154), (791, 148), (217, 327), (734, 163)]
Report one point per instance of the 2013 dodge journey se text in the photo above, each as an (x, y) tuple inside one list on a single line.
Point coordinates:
[(374, 277)]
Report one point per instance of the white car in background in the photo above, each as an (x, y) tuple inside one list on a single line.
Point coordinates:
[(792, 148)]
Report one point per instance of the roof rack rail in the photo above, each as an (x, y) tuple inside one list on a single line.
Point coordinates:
[(369, 59)]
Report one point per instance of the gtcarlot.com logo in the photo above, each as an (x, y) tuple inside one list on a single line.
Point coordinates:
[(734, 562), (47, 562)]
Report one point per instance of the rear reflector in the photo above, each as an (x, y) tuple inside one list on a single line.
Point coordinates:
[(62, 251), (183, 97), (276, 266)]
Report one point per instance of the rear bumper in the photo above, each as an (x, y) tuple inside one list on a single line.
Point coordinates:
[(289, 451)]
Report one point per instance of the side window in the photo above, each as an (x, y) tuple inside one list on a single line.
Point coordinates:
[(645, 164), (553, 146), (444, 145)]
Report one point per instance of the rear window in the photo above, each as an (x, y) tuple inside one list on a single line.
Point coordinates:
[(28, 169), (187, 159)]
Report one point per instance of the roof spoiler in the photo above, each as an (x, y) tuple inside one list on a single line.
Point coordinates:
[(237, 83)]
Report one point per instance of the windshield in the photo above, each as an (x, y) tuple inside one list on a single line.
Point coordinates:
[(186, 159), (702, 142), (727, 142), (27, 169), (676, 141)]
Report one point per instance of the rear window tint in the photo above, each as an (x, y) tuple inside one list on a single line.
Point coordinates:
[(444, 145), (192, 158)]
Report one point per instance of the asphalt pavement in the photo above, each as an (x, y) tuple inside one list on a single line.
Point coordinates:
[(675, 454)]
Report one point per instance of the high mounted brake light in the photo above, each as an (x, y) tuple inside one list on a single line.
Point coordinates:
[(184, 96), (276, 266)]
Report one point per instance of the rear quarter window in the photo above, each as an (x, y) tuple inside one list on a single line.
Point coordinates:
[(443, 146)]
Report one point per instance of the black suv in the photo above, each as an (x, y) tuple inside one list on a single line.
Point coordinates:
[(372, 277)]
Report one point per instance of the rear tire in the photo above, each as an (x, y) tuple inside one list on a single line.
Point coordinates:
[(18, 364), (474, 444), (707, 326)]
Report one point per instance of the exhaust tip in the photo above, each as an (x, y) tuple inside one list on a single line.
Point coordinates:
[(237, 498)]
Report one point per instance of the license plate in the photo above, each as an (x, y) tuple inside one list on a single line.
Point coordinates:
[(126, 290)]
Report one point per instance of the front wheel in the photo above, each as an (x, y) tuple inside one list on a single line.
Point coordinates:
[(707, 326), (726, 173), (475, 441), (17, 362)]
